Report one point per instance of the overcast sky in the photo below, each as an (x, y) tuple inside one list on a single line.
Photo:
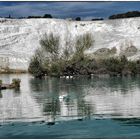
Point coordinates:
[(86, 10)]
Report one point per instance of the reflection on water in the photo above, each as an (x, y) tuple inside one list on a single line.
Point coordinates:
[(128, 121), (54, 99)]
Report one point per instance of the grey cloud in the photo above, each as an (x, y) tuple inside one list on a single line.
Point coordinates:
[(66, 9)]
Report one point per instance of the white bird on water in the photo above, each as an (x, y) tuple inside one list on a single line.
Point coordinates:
[(69, 77), (63, 97)]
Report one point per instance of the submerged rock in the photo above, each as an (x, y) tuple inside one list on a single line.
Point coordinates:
[(51, 123)]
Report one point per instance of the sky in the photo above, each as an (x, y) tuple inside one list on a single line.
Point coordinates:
[(85, 10)]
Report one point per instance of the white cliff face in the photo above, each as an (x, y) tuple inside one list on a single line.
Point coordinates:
[(19, 38)]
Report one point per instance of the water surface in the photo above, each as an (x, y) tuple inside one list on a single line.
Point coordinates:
[(70, 108)]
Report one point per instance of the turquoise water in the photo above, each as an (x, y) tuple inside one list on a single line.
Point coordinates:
[(71, 108)]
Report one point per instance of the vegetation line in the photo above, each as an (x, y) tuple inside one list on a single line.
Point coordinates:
[(50, 60)]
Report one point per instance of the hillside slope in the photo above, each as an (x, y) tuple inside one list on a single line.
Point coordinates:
[(19, 38)]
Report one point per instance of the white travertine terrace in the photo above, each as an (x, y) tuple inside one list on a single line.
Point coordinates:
[(19, 38)]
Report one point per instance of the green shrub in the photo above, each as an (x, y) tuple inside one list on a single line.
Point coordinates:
[(35, 67), (40, 63), (138, 66), (48, 60), (123, 60), (55, 69), (47, 16), (78, 19), (16, 82), (67, 53), (0, 83), (83, 43), (50, 44)]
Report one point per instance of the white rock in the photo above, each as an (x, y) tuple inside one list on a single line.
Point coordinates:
[(19, 38)]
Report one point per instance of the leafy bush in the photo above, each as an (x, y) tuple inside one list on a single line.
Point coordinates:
[(16, 82), (35, 67), (48, 60), (50, 44), (78, 19), (34, 17), (113, 65), (41, 62), (0, 83), (82, 43), (47, 16), (95, 19)]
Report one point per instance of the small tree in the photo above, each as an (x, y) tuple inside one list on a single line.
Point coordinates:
[(0, 83), (82, 43), (47, 16), (16, 83), (9, 16), (50, 44), (35, 67), (78, 19), (123, 59)]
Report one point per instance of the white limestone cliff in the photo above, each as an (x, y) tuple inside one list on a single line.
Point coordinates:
[(19, 38)]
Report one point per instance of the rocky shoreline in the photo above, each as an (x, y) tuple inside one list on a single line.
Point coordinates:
[(10, 71)]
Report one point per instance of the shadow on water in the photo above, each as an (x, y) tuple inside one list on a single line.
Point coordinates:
[(128, 121), (122, 84), (16, 92)]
